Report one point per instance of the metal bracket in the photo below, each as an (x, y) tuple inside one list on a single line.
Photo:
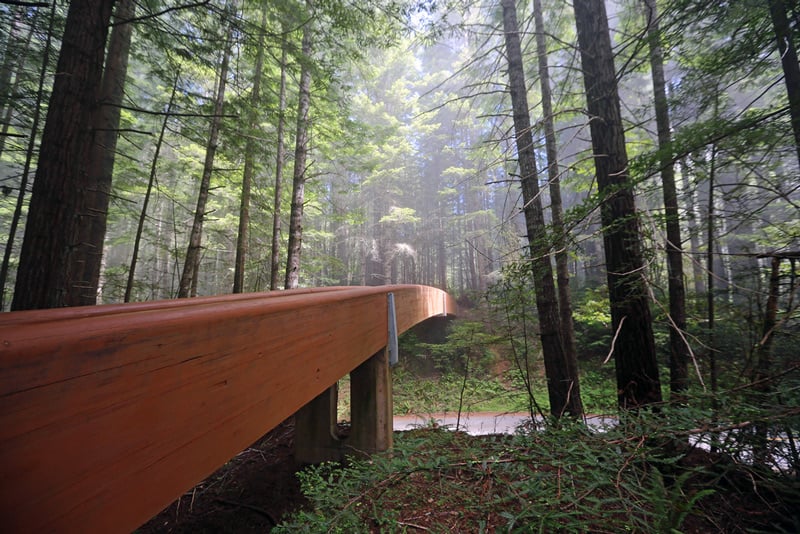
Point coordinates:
[(394, 355)]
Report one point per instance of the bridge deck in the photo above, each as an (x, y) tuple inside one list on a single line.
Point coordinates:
[(109, 413)]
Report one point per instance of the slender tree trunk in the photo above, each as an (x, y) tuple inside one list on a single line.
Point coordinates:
[(9, 57), (7, 71), (764, 348), (143, 214), (763, 387), (61, 177), (191, 261), (88, 252), (556, 205), (26, 169), (638, 383), (249, 156), (710, 280), (280, 158), (692, 216), (791, 67), (441, 256), (299, 177), (679, 350), (562, 371)]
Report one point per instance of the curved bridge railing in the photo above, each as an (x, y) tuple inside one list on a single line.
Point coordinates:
[(109, 413)]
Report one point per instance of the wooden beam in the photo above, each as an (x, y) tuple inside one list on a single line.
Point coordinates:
[(109, 413)]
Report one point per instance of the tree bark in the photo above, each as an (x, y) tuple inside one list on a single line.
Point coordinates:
[(88, 253), (191, 262), (679, 350), (638, 383), (791, 68), (556, 205), (143, 214), (8, 88), (299, 177), (764, 347), (692, 216), (280, 158), (562, 372), (61, 177), (249, 156), (763, 386), (26, 169), (710, 280)]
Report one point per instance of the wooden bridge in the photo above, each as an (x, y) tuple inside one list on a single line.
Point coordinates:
[(109, 413)]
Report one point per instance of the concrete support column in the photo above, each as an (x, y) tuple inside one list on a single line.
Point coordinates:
[(371, 405), (315, 438)]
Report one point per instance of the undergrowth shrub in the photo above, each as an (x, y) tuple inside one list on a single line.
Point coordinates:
[(643, 474)]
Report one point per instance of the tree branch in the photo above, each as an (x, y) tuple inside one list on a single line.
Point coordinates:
[(25, 4), (171, 114), (152, 15)]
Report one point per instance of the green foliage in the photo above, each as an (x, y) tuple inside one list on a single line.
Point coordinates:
[(637, 476), (451, 392), (592, 322)]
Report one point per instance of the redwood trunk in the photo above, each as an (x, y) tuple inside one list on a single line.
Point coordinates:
[(23, 183), (88, 254), (61, 177), (562, 373), (556, 205), (249, 156), (191, 262), (299, 177), (143, 214), (791, 68), (679, 349), (279, 161), (634, 350)]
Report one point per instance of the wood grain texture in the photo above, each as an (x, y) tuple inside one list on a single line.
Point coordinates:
[(109, 413)]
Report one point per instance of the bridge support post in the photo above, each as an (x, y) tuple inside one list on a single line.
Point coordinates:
[(371, 405), (315, 438)]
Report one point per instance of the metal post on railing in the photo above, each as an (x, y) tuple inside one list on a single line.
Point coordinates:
[(392, 345)]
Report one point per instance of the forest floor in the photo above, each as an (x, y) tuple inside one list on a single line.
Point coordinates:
[(250, 493), (256, 489)]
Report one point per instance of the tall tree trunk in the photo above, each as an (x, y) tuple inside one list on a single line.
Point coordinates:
[(7, 71), (763, 387), (441, 255), (791, 68), (88, 253), (710, 280), (249, 156), (556, 205), (191, 261), (280, 158), (299, 177), (143, 214), (634, 350), (764, 348), (679, 350), (9, 57), (26, 169), (562, 371), (692, 216), (61, 177)]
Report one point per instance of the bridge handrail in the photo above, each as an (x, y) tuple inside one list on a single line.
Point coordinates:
[(109, 413)]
